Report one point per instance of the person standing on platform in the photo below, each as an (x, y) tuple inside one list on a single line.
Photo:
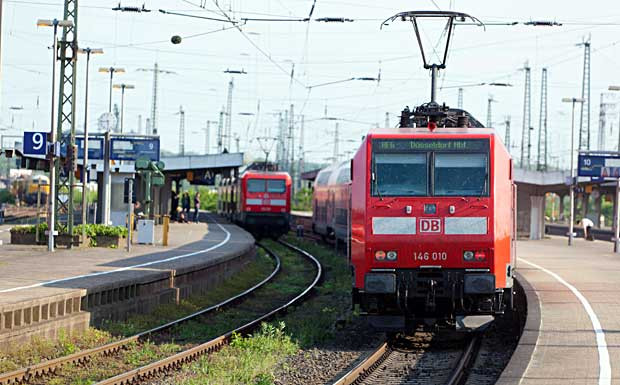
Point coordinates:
[(196, 205), (185, 204), (174, 206)]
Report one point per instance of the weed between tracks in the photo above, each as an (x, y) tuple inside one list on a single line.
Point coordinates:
[(39, 349)]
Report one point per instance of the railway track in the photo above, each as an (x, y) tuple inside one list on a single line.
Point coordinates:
[(175, 361), (26, 374), (414, 360)]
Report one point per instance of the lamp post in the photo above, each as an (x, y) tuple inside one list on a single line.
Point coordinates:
[(572, 168), (88, 51), (105, 210), (111, 71), (617, 211), (122, 87), (52, 156)]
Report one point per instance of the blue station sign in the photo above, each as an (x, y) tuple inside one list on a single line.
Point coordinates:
[(95, 147), (134, 148), (35, 143), (599, 165)]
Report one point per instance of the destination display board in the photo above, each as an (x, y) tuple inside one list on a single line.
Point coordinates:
[(134, 148), (599, 165), (95, 147), (444, 145)]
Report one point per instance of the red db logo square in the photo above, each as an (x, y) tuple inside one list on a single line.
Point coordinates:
[(430, 225)]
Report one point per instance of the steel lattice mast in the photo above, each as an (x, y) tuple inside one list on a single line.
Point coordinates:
[(542, 125), (527, 120), (228, 131), (67, 52), (507, 134), (154, 110), (181, 131), (584, 118)]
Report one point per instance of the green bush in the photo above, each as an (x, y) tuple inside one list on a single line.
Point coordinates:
[(29, 229), (6, 197), (93, 230)]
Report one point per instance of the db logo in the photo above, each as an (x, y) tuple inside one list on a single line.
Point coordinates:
[(430, 225)]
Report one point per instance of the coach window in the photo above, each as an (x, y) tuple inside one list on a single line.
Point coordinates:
[(461, 174), (344, 176), (256, 185), (400, 174), (276, 186), (323, 178)]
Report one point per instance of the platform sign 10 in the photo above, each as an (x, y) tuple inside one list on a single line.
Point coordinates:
[(35, 143), (599, 166)]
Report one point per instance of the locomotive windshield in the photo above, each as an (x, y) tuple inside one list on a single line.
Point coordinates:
[(460, 174), (256, 185), (400, 174), (430, 167), (277, 186)]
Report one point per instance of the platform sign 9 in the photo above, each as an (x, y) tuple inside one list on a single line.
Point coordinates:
[(35, 143)]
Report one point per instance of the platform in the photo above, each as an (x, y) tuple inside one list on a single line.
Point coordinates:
[(572, 335), (40, 292)]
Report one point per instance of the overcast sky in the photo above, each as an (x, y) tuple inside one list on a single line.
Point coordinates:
[(321, 53)]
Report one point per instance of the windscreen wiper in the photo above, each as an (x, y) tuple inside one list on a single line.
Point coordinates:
[(374, 180)]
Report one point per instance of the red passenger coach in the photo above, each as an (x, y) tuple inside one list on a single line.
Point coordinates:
[(258, 201), (432, 226), (331, 202)]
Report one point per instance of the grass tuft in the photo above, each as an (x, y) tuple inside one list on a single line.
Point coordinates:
[(246, 361)]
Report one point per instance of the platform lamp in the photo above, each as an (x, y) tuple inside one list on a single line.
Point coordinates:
[(617, 212), (572, 168), (88, 51), (52, 207), (122, 87)]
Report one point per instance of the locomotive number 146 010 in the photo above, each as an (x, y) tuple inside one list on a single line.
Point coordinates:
[(430, 256)]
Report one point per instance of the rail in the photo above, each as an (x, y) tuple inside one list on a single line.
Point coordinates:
[(376, 358)]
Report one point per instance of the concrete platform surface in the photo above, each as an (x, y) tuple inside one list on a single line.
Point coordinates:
[(28, 272), (577, 340)]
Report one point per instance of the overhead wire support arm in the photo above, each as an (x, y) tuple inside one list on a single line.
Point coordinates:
[(246, 19), (334, 20), (197, 17)]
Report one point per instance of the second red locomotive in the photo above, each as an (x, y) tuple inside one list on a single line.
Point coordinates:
[(258, 201)]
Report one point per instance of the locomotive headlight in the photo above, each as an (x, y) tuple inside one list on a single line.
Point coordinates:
[(391, 255), (468, 256), (380, 255)]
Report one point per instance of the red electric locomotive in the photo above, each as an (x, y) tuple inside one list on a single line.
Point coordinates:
[(432, 225), (432, 215), (258, 201)]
